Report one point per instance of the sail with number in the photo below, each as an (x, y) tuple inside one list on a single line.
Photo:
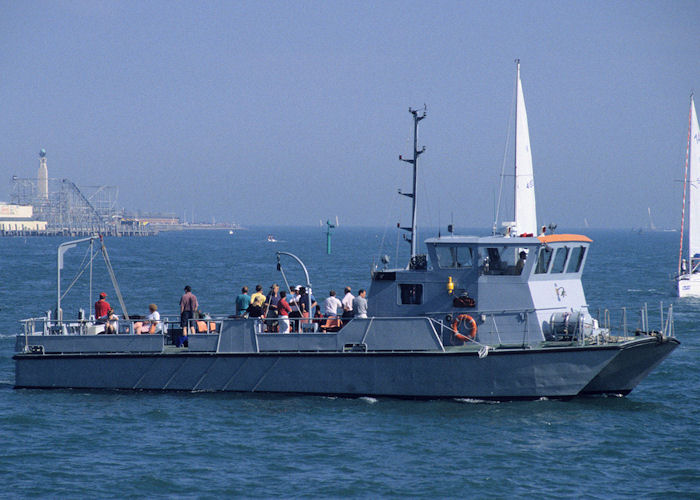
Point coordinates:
[(525, 211)]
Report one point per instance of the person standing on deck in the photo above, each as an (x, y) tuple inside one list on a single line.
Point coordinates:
[(102, 307), (188, 306), (307, 302), (359, 304), (271, 300), (293, 302), (257, 301), (331, 305), (242, 302), (347, 303), (283, 311)]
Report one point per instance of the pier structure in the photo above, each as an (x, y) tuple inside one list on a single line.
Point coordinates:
[(69, 210)]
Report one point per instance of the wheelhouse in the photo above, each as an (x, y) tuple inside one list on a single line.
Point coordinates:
[(487, 277)]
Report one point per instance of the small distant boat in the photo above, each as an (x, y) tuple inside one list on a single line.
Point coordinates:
[(230, 231), (271, 239), (688, 276)]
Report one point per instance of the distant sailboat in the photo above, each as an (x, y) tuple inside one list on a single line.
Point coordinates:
[(688, 276), (652, 227), (525, 210)]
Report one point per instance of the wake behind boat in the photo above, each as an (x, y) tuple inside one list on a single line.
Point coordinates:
[(497, 317)]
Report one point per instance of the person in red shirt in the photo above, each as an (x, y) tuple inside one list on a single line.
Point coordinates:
[(102, 307), (283, 310)]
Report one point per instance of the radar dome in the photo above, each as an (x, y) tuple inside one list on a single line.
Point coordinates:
[(42, 153)]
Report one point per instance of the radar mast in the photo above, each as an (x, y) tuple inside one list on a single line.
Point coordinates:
[(418, 115)]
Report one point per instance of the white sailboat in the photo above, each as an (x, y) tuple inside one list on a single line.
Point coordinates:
[(525, 210), (525, 216), (688, 277)]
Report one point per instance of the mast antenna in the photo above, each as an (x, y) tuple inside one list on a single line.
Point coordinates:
[(418, 115)]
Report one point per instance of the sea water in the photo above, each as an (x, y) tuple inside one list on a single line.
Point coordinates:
[(78, 443)]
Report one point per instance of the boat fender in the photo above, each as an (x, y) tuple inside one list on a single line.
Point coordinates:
[(471, 334)]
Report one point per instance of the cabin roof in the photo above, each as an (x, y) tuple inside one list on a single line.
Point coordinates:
[(482, 240), (553, 238), (503, 241)]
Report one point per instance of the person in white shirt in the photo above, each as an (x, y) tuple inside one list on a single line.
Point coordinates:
[(154, 319), (293, 301), (347, 303), (331, 305), (151, 324)]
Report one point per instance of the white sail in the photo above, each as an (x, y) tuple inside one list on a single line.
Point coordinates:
[(525, 211), (694, 185)]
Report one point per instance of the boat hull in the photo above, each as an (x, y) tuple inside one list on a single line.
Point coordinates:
[(503, 375), (632, 363), (688, 285)]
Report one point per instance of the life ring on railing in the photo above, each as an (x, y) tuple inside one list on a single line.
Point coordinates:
[(471, 334)]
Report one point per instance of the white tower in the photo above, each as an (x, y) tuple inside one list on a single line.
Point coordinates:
[(42, 177)]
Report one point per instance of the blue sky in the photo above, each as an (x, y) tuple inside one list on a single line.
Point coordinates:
[(289, 112)]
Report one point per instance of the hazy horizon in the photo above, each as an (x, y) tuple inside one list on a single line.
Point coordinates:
[(290, 112)]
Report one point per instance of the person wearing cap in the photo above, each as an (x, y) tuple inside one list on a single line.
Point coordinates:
[(102, 307)]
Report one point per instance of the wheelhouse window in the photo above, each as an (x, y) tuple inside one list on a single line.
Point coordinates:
[(543, 259), (411, 294), (500, 261), (454, 257), (560, 260), (576, 259)]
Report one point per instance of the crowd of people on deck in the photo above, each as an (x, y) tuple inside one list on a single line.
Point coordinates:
[(287, 312), (280, 312)]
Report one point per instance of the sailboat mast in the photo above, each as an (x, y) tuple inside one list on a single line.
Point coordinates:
[(685, 187), (515, 148)]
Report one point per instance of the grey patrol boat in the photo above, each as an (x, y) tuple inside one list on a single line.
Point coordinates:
[(499, 317)]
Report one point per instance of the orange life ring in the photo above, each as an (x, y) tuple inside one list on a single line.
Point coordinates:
[(471, 335)]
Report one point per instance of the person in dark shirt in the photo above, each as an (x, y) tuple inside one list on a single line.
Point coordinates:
[(271, 302)]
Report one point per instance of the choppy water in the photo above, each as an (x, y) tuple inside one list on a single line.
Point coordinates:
[(121, 444)]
